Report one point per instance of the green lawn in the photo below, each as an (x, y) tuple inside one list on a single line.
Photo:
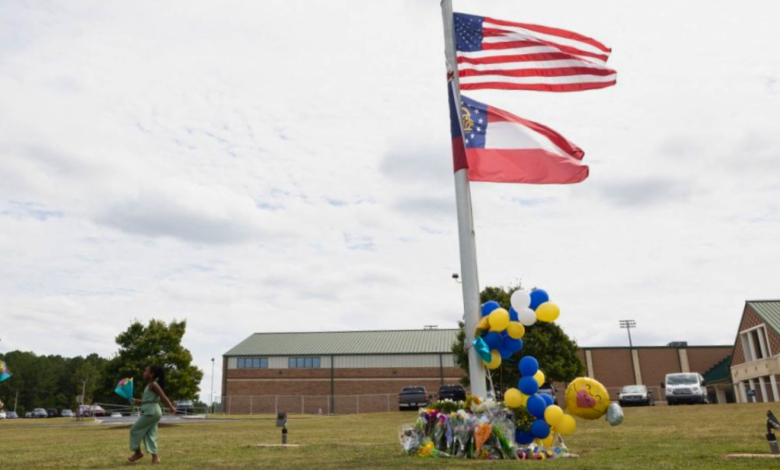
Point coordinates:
[(681, 437)]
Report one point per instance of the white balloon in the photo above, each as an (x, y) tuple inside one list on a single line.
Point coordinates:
[(526, 316), (520, 299)]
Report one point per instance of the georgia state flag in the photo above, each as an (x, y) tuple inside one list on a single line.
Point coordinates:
[(499, 147)]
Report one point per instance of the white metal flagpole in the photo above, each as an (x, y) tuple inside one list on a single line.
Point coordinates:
[(468, 247)]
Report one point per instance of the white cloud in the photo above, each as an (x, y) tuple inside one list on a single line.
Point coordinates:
[(285, 165)]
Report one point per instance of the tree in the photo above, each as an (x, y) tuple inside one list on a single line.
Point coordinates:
[(46, 381), (160, 344), (547, 342)]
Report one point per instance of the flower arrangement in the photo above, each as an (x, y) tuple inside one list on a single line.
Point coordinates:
[(473, 429)]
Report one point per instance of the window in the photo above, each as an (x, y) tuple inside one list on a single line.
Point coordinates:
[(252, 363), (755, 344), (304, 362)]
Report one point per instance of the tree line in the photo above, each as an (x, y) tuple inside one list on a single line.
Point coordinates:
[(54, 381)]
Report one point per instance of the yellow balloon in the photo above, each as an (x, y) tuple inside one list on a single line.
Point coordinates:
[(513, 398), (566, 426), (547, 442), (524, 397), (515, 330), (499, 319), (553, 415), (547, 312), (586, 398), (483, 324), (540, 378), (495, 360)]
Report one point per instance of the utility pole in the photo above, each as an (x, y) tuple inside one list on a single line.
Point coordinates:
[(83, 392)]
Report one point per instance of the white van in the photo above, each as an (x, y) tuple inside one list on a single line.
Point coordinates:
[(685, 388)]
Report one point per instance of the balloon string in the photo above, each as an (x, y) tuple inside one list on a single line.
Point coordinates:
[(490, 381)]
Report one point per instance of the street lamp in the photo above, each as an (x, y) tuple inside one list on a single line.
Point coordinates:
[(211, 404), (628, 324)]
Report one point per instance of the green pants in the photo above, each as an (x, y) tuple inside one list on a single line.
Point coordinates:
[(145, 429)]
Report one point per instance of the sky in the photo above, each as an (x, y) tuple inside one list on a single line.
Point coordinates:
[(285, 166)]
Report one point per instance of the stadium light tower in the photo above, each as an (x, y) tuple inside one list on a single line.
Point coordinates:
[(628, 324)]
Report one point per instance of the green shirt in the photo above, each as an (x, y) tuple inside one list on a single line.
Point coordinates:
[(150, 402)]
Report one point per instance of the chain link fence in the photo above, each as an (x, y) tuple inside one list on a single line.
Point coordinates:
[(353, 404), (306, 404)]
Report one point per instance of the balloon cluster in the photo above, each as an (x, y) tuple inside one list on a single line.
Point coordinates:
[(500, 332), (549, 419)]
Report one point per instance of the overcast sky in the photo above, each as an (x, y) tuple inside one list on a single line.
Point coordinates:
[(285, 166)]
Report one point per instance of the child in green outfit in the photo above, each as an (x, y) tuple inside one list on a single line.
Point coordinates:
[(145, 429)]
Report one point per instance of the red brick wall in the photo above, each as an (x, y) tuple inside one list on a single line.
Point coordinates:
[(307, 390), (702, 359), (749, 320), (612, 367), (656, 363), (317, 381)]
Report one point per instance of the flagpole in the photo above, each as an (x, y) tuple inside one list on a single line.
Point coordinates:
[(468, 247)]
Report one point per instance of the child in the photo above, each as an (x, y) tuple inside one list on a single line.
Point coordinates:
[(145, 429)]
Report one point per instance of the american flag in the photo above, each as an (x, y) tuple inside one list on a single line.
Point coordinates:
[(502, 55)]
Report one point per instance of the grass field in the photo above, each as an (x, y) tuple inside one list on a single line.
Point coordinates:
[(683, 437)]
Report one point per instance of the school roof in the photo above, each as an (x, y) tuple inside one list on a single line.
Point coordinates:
[(336, 343), (768, 310), (719, 373)]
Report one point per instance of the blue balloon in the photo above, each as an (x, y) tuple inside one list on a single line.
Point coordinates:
[(524, 438), (536, 406), (528, 366), (538, 297), (513, 314), (489, 306), (494, 340), (514, 345), (505, 353), (548, 398), (540, 429), (528, 385)]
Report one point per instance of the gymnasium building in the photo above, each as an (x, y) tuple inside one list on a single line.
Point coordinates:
[(354, 371)]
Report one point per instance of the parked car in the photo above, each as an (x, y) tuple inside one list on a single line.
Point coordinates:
[(28, 415), (12, 415), (116, 414), (185, 407), (40, 413), (52, 412), (454, 392), (412, 398), (90, 410), (548, 389), (67, 414), (685, 388), (3, 415), (636, 395)]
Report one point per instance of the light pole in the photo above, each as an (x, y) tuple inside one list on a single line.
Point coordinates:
[(211, 396), (627, 325)]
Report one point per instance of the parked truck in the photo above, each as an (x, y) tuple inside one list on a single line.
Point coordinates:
[(412, 398)]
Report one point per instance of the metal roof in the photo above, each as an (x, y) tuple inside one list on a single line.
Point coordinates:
[(769, 310), (347, 342), (719, 373)]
